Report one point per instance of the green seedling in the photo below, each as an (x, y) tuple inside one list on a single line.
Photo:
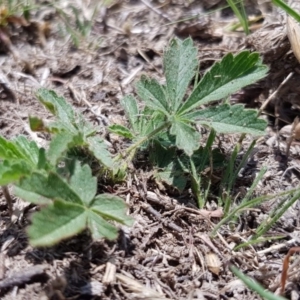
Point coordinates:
[(166, 111), (71, 203), (71, 207), (167, 122), (70, 131), (56, 180)]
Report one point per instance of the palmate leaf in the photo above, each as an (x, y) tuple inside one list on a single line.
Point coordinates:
[(37, 124), (149, 120), (71, 207), (100, 228), (180, 64), (30, 196), (20, 157), (173, 175), (230, 119), (61, 109), (224, 78), (29, 149)]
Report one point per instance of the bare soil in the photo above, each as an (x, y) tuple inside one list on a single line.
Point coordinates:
[(168, 253)]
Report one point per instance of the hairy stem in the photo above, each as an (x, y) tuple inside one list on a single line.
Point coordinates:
[(131, 150)]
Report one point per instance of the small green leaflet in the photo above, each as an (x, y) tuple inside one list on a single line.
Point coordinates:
[(230, 119), (180, 64), (229, 75), (187, 138)]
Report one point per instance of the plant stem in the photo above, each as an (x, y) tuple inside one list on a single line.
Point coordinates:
[(147, 137)]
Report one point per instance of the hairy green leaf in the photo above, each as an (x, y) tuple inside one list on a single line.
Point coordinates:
[(98, 148), (226, 77), (112, 207), (173, 175), (9, 150), (153, 94), (100, 228), (83, 183), (180, 64), (20, 158), (56, 105), (51, 187), (131, 108), (121, 130), (56, 222), (59, 145), (29, 150), (187, 138), (31, 197), (161, 152), (12, 171), (42, 160), (230, 119), (149, 121), (72, 207)]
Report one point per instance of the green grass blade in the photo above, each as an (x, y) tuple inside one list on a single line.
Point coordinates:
[(251, 203), (257, 241), (287, 9), (276, 215), (240, 13), (253, 285)]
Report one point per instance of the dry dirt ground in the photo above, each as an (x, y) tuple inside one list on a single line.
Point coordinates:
[(165, 255)]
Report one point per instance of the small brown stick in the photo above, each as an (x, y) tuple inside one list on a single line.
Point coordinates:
[(274, 94), (292, 136), (158, 216), (285, 267)]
